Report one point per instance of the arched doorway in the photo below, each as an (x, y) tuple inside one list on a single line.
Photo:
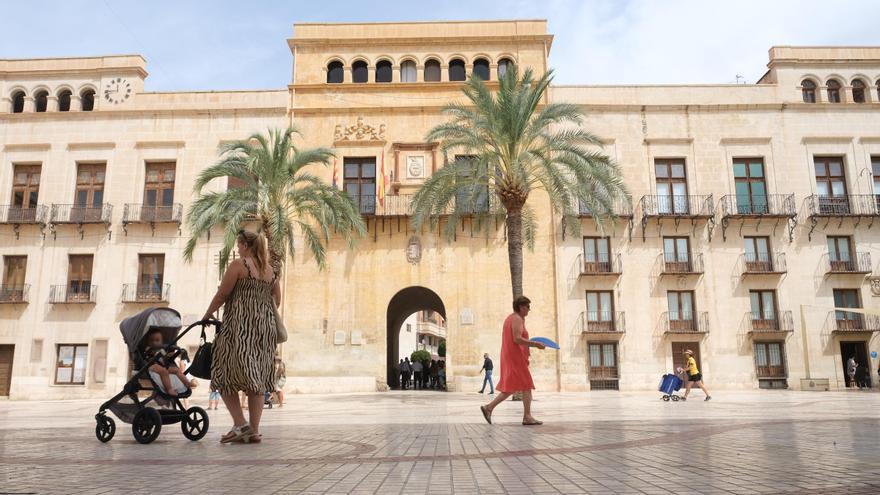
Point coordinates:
[(403, 304)]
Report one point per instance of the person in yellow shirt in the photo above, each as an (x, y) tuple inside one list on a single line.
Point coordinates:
[(694, 375)]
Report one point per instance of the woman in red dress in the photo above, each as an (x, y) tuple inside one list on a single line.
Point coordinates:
[(515, 376)]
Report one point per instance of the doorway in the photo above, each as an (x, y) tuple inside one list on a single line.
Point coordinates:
[(6, 354), (859, 352), (678, 359), (406, 302)]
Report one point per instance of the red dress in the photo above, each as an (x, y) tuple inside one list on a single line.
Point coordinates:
[(515, 374)]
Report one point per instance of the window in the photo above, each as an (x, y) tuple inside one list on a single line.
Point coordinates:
[(757, 254), (408, 71), (89, 197), (833, 89), (151, 275), (676, 255), (763, 306), (70, 366), (41, 101), (681, 310), (79, 277), (839, 254), (878, 89), (359, 181), (751, 190), (597, 255), (64, 100), (470, 197), (875, 170), (18, 102), (503, 65), (847, 298), (335, 72), (600, 311), (13, 278), (158, 192), (87, 98), (672, 193), (603, 366), (383, 71), (456, 70), (770, 359), (25, 193), (432, 71), (858, 91), (481, 69), (808, 90), (831, 185), (359, 72)]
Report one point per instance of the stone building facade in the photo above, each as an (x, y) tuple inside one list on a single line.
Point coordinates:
[(752, 205)]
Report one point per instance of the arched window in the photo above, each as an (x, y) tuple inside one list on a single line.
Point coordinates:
[(808, 89), (18, 102), (87, 97), (408, 71), (481, 69), (432, 71), (41, 100), (383, 71), (456, 70), (359, 72), (335, 72), (64, 100), (858, 91), (503, 65), (833, 91)]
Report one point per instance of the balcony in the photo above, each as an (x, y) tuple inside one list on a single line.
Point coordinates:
[(692, 206), (17, 215), (770, 324), (762, 264), (601, 265), (686, 323), (603, 322), (621, 208), (767, 206), (843, 322), (851, 205), (80, 214), (151, 215), (401, 206), (856, 264), (689, 265), (136, 293), (14, 294), (62, 294)]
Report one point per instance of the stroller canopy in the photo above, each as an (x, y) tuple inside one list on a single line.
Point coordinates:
[(134, 328)]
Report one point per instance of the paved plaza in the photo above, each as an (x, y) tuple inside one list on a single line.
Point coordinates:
[(428, 442)]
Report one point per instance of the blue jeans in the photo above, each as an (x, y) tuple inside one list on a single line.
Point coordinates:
[(488, 378)]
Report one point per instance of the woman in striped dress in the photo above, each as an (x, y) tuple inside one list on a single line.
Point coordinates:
[(244, 350)]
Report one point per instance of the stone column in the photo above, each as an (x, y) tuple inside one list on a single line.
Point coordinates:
[(29, 104), (347, 75), (444, 73), (395, 73), (5, 105), (51, 103), (75, 103)]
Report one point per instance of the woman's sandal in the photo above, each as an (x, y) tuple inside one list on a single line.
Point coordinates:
[(254, 438), (487, 414), (237, 434), (534, 422)]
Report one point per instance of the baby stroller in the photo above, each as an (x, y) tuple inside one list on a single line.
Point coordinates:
[(146, 421), (669, 384)]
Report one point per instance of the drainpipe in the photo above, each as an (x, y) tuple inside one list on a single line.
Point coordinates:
[(805, 345)]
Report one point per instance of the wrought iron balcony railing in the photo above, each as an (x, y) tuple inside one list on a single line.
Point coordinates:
[(613, 322), (621, 208), (401, 206), (848, 321), (141, 213), (81, 214), (855, 205), (600, 264), (14, 294), (18, 215), (770, 205), (76, 293), (854, 263), (685, 322), (681, 265), (137, 293), (762, 263), (770, 323), (694, 206)]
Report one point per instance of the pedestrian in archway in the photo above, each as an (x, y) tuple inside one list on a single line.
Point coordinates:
[(515, 375), (487, 378)]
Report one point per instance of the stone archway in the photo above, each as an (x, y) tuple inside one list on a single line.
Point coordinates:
[(406, 302)]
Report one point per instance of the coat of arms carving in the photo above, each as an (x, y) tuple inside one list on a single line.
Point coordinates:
[(359, 132)]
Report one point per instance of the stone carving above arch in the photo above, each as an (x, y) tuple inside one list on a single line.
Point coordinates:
[(359, 132)]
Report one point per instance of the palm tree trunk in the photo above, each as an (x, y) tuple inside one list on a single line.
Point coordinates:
[(275, 260), (515, 249)]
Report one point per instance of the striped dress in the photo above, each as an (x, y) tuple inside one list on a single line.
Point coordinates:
[(243, 357)]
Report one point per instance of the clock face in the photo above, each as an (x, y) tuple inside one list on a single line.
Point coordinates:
[(117, 90)]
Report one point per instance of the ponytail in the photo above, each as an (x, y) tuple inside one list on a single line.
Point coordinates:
[(257, 244)]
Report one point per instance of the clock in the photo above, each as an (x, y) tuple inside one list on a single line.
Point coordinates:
[(117, 90)]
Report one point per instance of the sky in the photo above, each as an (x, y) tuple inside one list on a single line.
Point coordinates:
[(222, 44)]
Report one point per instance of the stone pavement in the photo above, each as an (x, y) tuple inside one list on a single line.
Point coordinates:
[(428, 442)]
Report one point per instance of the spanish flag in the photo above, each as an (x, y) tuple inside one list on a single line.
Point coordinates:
[(380, 186), (335, 173)]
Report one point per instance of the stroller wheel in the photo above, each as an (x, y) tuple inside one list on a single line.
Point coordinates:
[(666, 398), (195, 425), (146, 425), (105, 428), (674, 398)]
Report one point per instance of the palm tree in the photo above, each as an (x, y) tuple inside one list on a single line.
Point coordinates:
[(512, 142), (278, 193)]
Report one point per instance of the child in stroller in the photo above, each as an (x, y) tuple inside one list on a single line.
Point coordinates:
[(159, 327)]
